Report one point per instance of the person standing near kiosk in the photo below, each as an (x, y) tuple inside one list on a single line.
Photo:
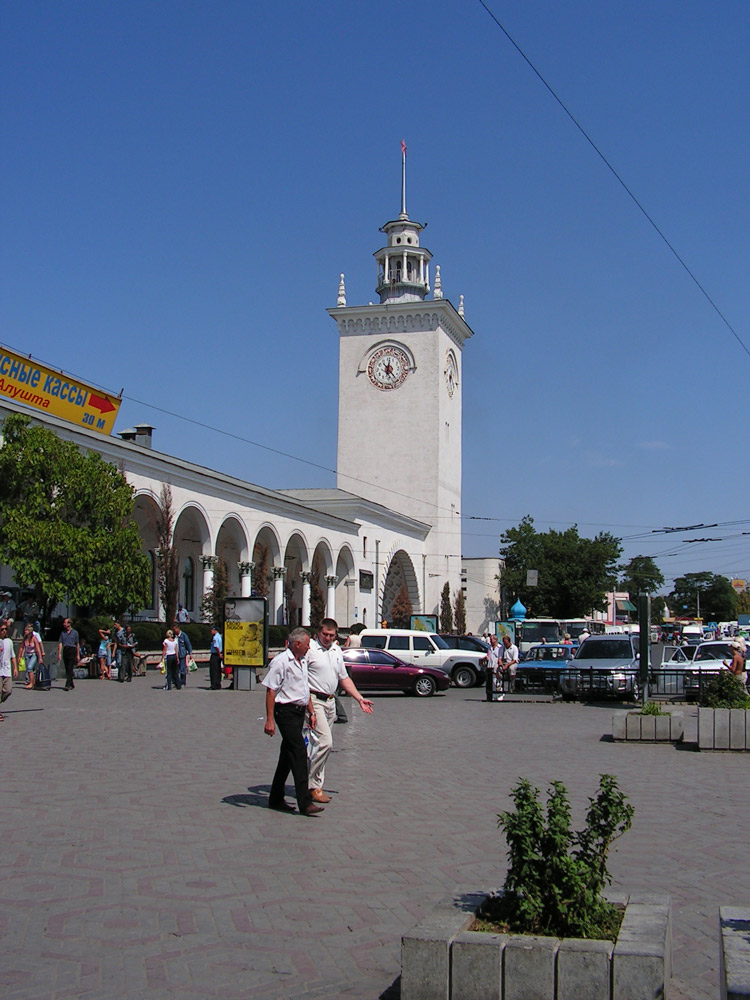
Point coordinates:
[(214, 663)]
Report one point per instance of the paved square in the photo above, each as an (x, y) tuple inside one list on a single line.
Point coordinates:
[(139, 859)]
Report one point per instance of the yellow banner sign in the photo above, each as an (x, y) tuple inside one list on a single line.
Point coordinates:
[(26, 381), (243, 644)]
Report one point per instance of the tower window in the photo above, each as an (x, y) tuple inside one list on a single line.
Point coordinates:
[(398, 239)]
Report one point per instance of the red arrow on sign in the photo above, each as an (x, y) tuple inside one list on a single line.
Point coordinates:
[(101, 403)]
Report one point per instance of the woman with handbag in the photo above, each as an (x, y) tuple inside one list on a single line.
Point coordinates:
[(31, 650)]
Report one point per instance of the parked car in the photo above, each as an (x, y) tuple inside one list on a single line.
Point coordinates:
[(605, 666), (426, 649), (707, 662), (465, 642), (669, 676), (541, 666), (377, 670)]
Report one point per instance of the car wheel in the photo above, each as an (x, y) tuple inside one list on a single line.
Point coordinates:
[(635, 694), (425, 686), (464, 677)]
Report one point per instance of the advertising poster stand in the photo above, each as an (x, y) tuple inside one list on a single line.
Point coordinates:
[(245, 639)]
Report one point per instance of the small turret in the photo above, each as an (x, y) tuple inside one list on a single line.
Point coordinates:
[(403, 265)]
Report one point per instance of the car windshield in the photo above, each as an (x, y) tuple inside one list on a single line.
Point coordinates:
[(714, 651), (605, 649), (440, 643), (547, 653)]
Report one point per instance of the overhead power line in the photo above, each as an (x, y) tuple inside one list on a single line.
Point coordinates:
[(618, 178)]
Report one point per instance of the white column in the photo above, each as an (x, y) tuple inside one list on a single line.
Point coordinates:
[(278, 595), (306, 577), (208, 563), (246, 578), (331, 597)]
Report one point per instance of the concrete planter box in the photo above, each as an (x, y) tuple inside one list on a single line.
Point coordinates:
[(632, 727), (723, 729), (441, 959), (734, 957)]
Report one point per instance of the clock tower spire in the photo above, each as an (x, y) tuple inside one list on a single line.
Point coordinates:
[(403, 265)]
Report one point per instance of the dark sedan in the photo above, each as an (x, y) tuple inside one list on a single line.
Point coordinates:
[(376, 670)]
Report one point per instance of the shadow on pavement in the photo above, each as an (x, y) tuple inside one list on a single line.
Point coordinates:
[(258, 797)]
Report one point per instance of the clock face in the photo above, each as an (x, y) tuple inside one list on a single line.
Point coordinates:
[(450, 372), (388, 368)]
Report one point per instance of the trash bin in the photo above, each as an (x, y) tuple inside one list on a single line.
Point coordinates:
[(244, 678)]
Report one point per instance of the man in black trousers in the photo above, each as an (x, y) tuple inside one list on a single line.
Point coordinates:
[(287, 700)]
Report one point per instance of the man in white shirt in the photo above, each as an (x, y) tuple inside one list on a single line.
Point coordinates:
[(509, 662), (287, 700), (326, 670), (7, 664), (493, 661)]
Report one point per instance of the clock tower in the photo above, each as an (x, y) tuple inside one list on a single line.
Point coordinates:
[(399, 421)]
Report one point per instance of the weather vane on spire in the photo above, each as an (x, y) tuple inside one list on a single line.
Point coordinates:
[(403, 177)]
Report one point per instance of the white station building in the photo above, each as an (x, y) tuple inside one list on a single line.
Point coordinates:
[(393, 518)]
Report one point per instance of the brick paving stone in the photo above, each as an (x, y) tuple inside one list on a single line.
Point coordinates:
[(141, 860)]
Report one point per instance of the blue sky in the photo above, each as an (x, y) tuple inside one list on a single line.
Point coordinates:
[(182, 184)]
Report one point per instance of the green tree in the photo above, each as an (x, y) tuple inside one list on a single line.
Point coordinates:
[(446, 611), (212, 602), (261, 558), (401, 609), (742, 607), (459, 611), (658, 607), (718, 600), (641, 576), (167, 557), (317, 599), (66, 525), (575, 573)]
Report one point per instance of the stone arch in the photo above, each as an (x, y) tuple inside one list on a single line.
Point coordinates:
[(345, 588), (296, 562), (145, 509), (400, 571), (232, 546), (192, 538)]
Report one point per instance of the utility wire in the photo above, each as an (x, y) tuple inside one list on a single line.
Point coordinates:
[(618, 178)]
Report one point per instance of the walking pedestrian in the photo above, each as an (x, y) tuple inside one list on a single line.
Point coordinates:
[(287, 700), (326, 670), (184, 648), (8, 667), (214, 663), (170, 656), (30, 648), (69, 652)]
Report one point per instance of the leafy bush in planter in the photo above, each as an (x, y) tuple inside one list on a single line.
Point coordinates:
[(555, 876), (652, 708), (724, 691)]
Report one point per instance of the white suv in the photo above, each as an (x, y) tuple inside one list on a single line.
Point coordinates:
[(465, 667)]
